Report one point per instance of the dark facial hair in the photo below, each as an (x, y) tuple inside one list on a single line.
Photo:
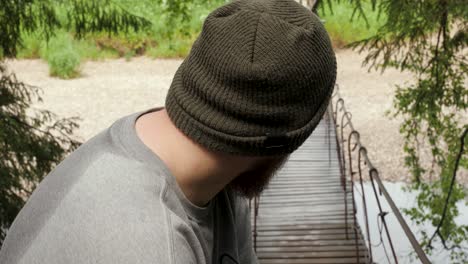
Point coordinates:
[(252, 182)]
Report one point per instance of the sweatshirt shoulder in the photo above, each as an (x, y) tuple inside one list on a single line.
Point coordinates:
[(96, 206)]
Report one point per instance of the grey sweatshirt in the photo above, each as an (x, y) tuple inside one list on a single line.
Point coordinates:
[(114, 201)]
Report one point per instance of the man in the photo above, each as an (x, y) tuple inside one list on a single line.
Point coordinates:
[(168, 184)]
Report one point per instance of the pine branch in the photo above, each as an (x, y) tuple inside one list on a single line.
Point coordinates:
[(452, 183)]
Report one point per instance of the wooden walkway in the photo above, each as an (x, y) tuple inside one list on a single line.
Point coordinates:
[(301, 217)]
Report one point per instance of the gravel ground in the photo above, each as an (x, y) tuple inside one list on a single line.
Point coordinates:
[(108, 90)]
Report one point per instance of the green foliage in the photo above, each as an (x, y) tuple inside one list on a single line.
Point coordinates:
[(27, 16), (30, 47), (175, 24), (82, 17), (86, 17), (428, 38), (176, 40), (343, 27), (156, 39)]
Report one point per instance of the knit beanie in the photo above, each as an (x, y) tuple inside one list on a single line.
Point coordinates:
[(257, 80)]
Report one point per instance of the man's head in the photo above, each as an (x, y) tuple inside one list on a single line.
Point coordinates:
[(256, 83)]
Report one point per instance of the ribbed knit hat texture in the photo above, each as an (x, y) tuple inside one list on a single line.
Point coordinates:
[(257, 80)]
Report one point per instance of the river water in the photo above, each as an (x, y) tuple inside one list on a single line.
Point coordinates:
[(401, 244)]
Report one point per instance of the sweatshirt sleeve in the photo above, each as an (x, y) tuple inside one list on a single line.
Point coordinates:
[(246, 251)]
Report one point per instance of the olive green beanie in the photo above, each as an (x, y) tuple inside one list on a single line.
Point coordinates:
[(257, 81)]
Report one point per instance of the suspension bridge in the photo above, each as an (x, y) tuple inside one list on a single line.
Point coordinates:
[(308, 212)]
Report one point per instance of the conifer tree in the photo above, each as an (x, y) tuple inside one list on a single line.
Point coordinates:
[(32, 144)]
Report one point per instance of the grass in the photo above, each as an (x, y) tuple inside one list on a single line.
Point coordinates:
[(168, 40), (88, 49), (176, 47), (30, 46)]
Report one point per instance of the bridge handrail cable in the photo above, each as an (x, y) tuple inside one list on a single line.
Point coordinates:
[(336, 108)]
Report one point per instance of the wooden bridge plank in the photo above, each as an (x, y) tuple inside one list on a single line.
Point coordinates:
[(310, 254), (319, 248), (313, 261), (311, 244)]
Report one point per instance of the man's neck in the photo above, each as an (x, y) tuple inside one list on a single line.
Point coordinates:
[(200, 174)]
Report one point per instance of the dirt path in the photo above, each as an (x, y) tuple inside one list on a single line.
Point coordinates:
[(108, 90)]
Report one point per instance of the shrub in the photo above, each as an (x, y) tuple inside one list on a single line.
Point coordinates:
[(64, 63), (63, 58)]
